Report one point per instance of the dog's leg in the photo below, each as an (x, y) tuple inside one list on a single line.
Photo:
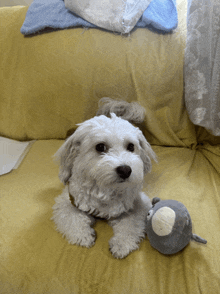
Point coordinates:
[(73, 223), (129, 230)]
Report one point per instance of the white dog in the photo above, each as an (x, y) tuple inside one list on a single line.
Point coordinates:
[(103, 166)]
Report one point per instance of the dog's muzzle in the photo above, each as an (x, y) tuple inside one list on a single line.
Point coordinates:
[(124, 171)]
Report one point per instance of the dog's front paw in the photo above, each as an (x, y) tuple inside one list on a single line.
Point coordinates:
[(85, 238), (120, 246)]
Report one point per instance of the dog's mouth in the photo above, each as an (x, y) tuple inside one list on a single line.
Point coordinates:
[(117, 181), (123, 180), (120, 180)]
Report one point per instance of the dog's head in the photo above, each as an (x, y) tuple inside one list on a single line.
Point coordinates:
[(108, 151)]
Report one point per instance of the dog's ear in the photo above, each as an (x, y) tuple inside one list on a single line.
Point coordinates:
[(147, 153), (65, 157)]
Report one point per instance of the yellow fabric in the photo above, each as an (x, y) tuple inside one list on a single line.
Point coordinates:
[(50, 82), (54, 80), (36, 259)]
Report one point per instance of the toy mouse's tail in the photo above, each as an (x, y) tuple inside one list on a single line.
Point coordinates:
[(133, 112), (198, 239)]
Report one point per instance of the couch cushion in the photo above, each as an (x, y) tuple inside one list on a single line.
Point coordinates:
[(36, 259), (52, 81)]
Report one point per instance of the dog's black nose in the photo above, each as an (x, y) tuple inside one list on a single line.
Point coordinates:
[(123, 171)]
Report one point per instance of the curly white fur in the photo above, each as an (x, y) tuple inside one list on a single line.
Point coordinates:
[(105, 181), (132, 112)]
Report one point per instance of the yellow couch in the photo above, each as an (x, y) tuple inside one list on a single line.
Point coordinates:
[(51, 81)]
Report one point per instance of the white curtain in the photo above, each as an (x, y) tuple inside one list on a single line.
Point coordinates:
[(202, 64)]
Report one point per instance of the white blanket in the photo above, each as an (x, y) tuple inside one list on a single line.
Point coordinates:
[(114, 15)]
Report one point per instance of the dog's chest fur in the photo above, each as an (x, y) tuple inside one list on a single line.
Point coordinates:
[(93, 201)]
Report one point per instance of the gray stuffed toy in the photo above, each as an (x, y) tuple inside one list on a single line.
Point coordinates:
[(169, 226)]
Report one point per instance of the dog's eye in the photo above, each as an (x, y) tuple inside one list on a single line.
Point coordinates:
[(101, 147), (130, 147)]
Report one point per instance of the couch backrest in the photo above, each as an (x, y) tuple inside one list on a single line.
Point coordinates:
[(52, 81)]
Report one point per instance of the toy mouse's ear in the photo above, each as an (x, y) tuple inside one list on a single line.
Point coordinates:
[(155, 200)]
